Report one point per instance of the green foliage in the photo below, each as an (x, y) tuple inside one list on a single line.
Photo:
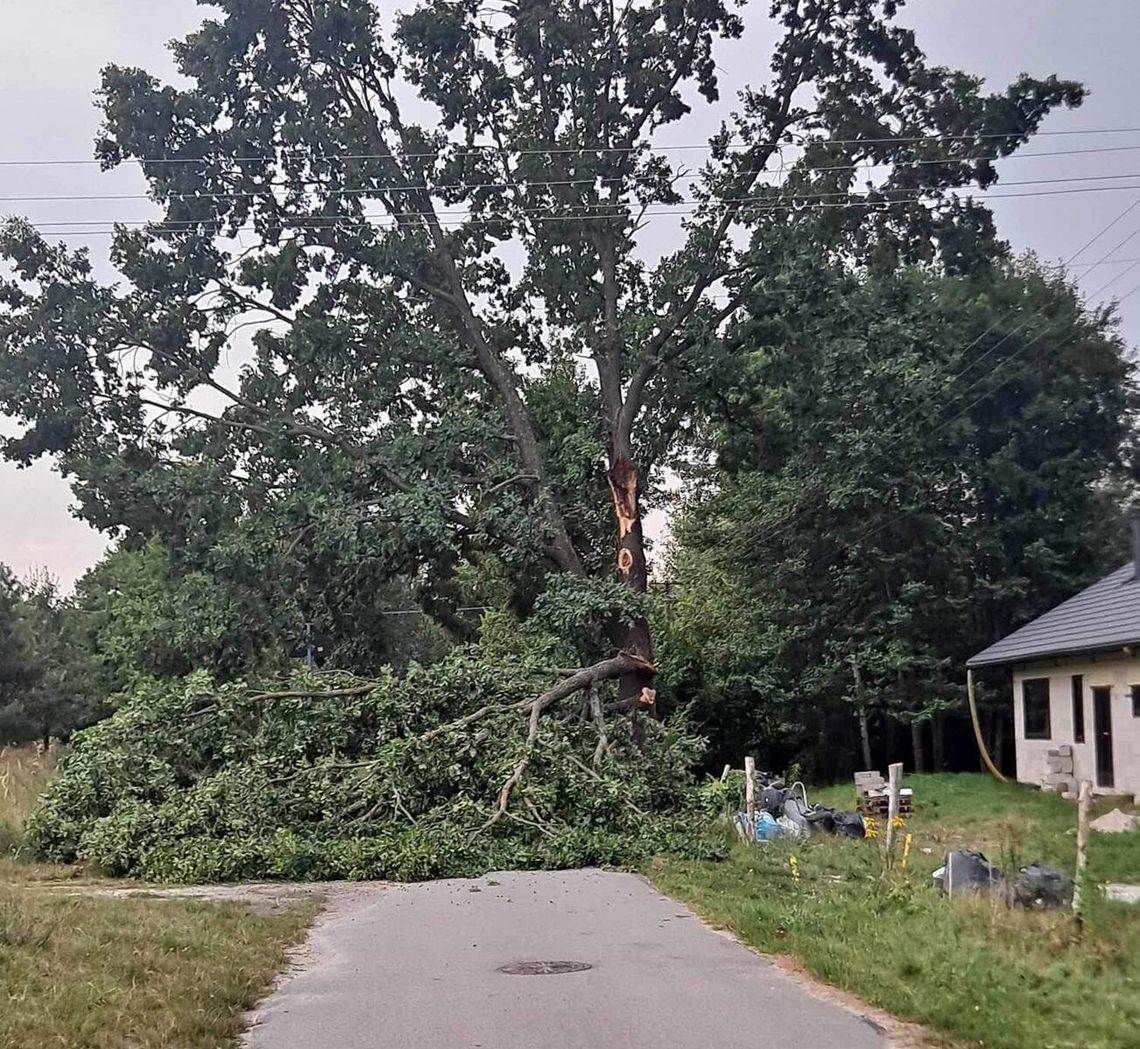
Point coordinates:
[(195, 781), (44, 667)]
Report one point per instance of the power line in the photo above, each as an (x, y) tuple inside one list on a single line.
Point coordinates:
[(827, 558), (568, 213), (785, 527), (491, 148), (542, 183)]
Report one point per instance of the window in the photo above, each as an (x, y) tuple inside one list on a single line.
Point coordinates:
[(1136, 701), (1035, 706), (1078, 708)]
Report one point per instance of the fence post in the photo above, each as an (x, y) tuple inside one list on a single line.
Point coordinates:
[(894, 783), (750, 795), (1083, 799)]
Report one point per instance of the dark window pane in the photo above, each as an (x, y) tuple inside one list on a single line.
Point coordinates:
[(1136, 701), (1078, 708), (1035, 698)]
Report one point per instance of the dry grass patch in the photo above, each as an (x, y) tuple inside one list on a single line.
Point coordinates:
[(24, 775), (97, 972)]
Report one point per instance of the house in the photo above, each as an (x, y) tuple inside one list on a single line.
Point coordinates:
[(1076, 686)]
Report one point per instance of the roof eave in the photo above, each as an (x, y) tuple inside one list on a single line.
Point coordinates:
[(1030, 657)]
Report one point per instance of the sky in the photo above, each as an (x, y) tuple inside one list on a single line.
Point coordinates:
[(51, 52)]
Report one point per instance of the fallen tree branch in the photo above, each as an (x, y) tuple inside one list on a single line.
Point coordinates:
[(315, 693), (586, 678), (600, 724)]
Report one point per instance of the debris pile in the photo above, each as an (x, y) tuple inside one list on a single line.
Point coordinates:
[(1038, 886), (786, 811), (1115, 822), (874, 796)]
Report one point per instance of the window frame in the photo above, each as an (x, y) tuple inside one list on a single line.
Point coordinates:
[(1047, 733), (1077, 686)]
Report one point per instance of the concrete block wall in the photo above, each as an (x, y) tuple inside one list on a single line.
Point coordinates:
[(1035, 765)]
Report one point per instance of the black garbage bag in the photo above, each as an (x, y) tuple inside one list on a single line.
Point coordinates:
[(772, 800), (1040, 886), (968, 871), (836, 821)]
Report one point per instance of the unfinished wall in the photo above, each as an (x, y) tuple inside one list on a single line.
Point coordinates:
[(1116, 671)]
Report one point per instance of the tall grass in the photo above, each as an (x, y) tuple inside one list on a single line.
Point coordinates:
[(24, 775)]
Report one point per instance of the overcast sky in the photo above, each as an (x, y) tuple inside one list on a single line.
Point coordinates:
[(51, 52)]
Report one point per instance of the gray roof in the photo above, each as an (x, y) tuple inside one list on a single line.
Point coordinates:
[(1104, 616)]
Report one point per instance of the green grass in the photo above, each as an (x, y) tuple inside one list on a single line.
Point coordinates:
[(100, 973), (973, 971), (82, 971)]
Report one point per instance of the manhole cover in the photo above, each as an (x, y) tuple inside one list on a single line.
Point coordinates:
[(543, 968)]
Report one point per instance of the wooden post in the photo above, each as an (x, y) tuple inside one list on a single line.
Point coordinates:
[(1083, 799), (894, 784), (750, 795), (861, 706)]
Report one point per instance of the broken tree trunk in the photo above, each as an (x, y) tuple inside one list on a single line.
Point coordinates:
[(635, 688)]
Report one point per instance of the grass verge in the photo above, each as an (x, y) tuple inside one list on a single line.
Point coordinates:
[(973, 971), (99, 973), (84, 971)]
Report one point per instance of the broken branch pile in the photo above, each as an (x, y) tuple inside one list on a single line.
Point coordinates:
[(449, 770)]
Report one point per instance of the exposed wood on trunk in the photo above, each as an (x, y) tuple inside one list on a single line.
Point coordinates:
[(635, 689)]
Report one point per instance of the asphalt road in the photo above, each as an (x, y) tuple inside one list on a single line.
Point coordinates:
[(417, 967)]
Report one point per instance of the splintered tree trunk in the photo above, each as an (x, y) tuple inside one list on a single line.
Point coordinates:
[(636, 687)]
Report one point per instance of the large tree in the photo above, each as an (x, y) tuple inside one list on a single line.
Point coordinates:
[(431, 232), (910, 466)]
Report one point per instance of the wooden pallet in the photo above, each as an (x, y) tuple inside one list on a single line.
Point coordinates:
[(878, 804)]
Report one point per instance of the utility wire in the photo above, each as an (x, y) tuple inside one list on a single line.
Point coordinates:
[(481, 150), (569, 213), (533, 183), (784, 528)]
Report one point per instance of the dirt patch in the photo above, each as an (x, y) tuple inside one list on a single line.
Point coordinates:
[(260, 897)]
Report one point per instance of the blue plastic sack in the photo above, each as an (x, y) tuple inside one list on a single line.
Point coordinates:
[(766, 826)]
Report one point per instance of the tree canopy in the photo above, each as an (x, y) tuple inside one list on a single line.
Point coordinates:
[(420, 239), (911, 466)]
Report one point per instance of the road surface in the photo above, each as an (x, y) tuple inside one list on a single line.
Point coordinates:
[(417, 967)]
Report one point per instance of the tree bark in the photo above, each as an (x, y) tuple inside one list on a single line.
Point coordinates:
[(864, 732), (916, 744), (635, 687), (999, 737), (938, 738)]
